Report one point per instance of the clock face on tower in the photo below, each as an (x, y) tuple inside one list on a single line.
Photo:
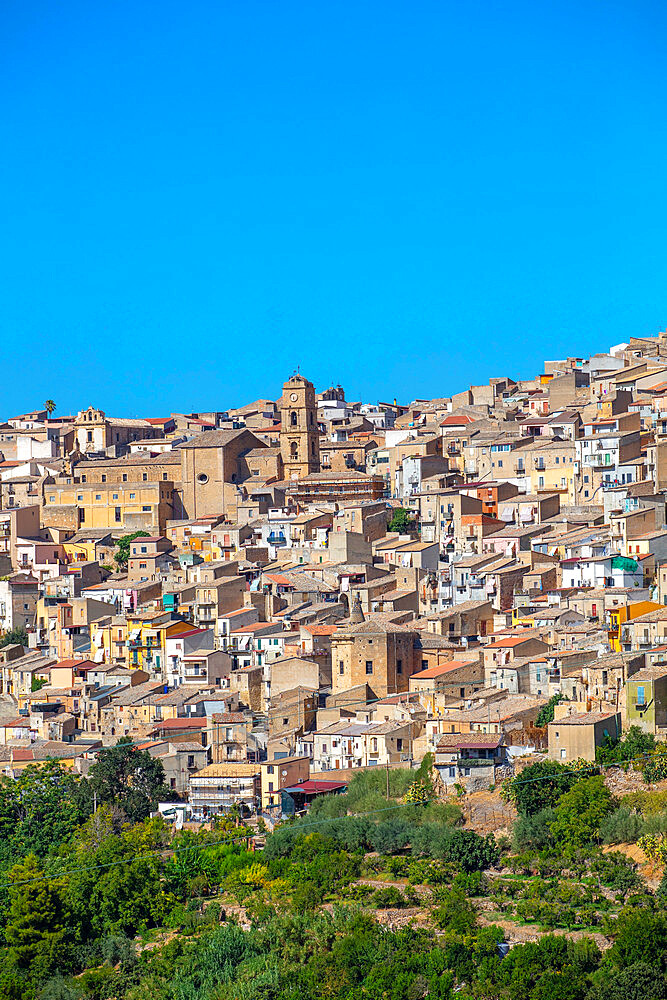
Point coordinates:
[(294, 397)]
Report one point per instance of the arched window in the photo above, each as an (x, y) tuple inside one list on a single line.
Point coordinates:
[(293, 418), (294, 450), (312, 447)]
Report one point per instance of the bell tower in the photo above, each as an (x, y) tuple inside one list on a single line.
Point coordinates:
[(299, 433)]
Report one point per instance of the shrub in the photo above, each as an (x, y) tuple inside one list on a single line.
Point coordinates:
[(533, 831), (621, 827), (417, 793), (580, 812), (391, 836), (539, 786), (388, 898), (617, 872), (454, 912), (654, 847), (647, 803)]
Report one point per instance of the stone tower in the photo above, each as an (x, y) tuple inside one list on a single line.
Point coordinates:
[(299, 434)]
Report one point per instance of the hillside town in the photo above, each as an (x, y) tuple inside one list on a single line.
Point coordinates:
[(271, 597)]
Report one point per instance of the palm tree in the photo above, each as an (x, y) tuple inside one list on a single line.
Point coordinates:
[(49, 406)]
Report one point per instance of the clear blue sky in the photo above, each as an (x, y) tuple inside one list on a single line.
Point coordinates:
[(403, 197)]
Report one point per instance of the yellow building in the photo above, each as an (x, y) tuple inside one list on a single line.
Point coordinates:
[(108, 640), (551, 468), (131, 506), (619, 616), (95, 546), (147, 635)]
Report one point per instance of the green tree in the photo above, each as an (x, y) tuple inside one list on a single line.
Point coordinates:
[(114, 884), (639, 936), (454, 911), (546, 713), (401, 521), (539, 786), (122, 553), (128, 778), (552, 969), (37, 921), (15, 635), (39, 810), (49, 406), (580, 812), (638, 982), (633, 746)]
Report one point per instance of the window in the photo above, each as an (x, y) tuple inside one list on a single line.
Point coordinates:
[(52, 499), (114, 496), (269, 769), (164, 475), (146, 508), (369, 666), (143, 550), (117, 516), (132, 496), (79, 496), (399, 744), (563, 754), (641, 695), (285, 721), (270, 786), (104, 478), (125, 477), (341, 667), (144, 476), (98, 496), (89, 436), (399, 666)]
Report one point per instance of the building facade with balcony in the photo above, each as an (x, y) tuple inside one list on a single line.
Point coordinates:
[(469, 758), (217, 788)]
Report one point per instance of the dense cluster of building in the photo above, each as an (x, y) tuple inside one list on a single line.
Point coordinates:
[(311, 585)]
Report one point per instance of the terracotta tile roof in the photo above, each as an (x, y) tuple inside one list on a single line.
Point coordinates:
[(510, 641), (584, 718), (255, 627), (453, 421), (442, 668), (472, 741), (179, 723)]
